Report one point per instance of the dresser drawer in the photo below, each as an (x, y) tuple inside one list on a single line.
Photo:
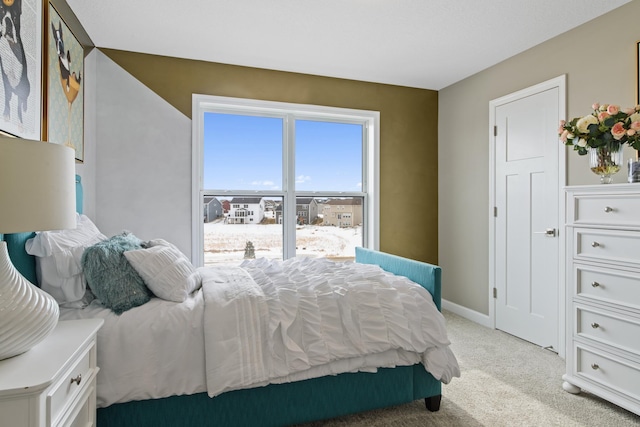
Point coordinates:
[(615, 373), (607, 245), (606, 209), (607, 285), (75, 380), (608, 328)]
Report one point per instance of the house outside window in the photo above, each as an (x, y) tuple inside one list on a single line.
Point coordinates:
[(292, 158)]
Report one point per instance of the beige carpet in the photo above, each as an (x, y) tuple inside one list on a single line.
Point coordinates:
[(505, 382)]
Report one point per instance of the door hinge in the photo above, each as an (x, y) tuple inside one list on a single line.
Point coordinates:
[(495, 211), (495, 292), (495, 131)]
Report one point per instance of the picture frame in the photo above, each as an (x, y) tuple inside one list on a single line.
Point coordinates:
[(21, 53), (64, 84)]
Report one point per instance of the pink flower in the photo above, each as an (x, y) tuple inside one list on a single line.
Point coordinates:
[(631, 132), (629, 111), (602, 116), (595, 106), (618, 131), (635, 126), (613, 109), (563, 135)]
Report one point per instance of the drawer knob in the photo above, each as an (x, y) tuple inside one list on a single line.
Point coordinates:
[(595, 244), (595, 366), (595, 284), (594, 325), (608, 209), (77, 379)]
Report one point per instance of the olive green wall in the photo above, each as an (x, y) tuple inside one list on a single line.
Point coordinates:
[(408, 131)]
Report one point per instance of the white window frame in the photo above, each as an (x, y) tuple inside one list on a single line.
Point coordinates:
[(371, 164)]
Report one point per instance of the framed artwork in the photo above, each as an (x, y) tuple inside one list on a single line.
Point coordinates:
[(21, 71), (65, 86)]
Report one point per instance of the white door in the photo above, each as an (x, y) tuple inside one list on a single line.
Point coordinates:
[(527, 186)]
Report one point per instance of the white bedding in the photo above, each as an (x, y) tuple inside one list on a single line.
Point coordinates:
[(152, 351), (267, 322)]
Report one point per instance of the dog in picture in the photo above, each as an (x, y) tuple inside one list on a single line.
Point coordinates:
[(69, 80), (13, 61)]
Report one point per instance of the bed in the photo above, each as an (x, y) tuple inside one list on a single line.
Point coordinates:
[(270, 404)]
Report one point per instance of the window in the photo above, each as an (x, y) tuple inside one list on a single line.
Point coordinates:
[(290, 167)]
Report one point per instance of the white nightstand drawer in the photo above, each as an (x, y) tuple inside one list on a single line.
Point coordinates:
[(607, 285), (73, 382), (82, 414), (608, 328), (615, 373), (607, 245), (36, 387), (607, 209)]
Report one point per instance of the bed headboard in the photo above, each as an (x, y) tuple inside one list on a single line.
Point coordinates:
[(25, 263)]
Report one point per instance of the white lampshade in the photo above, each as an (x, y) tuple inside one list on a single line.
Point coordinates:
[(37, 186), (37, 193)]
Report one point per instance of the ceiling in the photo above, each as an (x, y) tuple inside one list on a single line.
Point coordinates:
[(426, 44)]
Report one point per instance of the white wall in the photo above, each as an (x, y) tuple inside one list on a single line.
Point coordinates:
[(142, 160), (87, 169)]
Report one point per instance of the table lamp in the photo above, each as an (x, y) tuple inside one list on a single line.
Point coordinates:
[(37, 193)]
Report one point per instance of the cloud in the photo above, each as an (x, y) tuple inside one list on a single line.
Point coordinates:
[(264, 183), (302, 178)]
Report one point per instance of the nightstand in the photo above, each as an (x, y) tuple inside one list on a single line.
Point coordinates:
[(54, 383)]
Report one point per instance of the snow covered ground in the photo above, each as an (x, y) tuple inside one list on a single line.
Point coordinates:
[(226, 242)]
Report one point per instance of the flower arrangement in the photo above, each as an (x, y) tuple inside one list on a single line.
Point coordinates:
[(608, 126)]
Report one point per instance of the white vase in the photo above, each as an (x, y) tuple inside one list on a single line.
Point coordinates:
[(27, 313)]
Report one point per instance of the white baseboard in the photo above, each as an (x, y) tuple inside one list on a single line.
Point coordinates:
[(467, 313)]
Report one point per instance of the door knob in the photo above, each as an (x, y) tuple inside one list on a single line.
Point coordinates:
[(549, 232)]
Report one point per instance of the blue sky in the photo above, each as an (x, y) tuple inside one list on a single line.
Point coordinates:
[(245, 153)]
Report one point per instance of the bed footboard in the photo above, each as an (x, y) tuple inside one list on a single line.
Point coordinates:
[(429, 276)]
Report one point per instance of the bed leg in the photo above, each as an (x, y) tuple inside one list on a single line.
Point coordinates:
[(433, 403)]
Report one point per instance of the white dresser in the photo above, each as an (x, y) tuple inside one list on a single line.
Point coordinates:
[(603, 292), (54, 383)]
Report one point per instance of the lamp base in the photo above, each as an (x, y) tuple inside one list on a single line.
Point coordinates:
[(27, 313)]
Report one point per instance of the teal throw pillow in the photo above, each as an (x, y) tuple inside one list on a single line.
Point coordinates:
[(110, 276)]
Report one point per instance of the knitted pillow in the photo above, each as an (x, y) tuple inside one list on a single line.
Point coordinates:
[(110, 276)]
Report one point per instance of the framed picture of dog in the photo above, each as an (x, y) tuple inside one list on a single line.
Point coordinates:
[(21, 67), (65, 86)]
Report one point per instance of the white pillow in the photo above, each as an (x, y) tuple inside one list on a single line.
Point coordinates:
[(162, 242), (58, 254), (166, 271)]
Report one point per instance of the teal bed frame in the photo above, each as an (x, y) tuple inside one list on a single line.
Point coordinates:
[(278, 404)]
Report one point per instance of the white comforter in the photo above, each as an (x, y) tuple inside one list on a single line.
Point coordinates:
[(268, 323), (272, 321)]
